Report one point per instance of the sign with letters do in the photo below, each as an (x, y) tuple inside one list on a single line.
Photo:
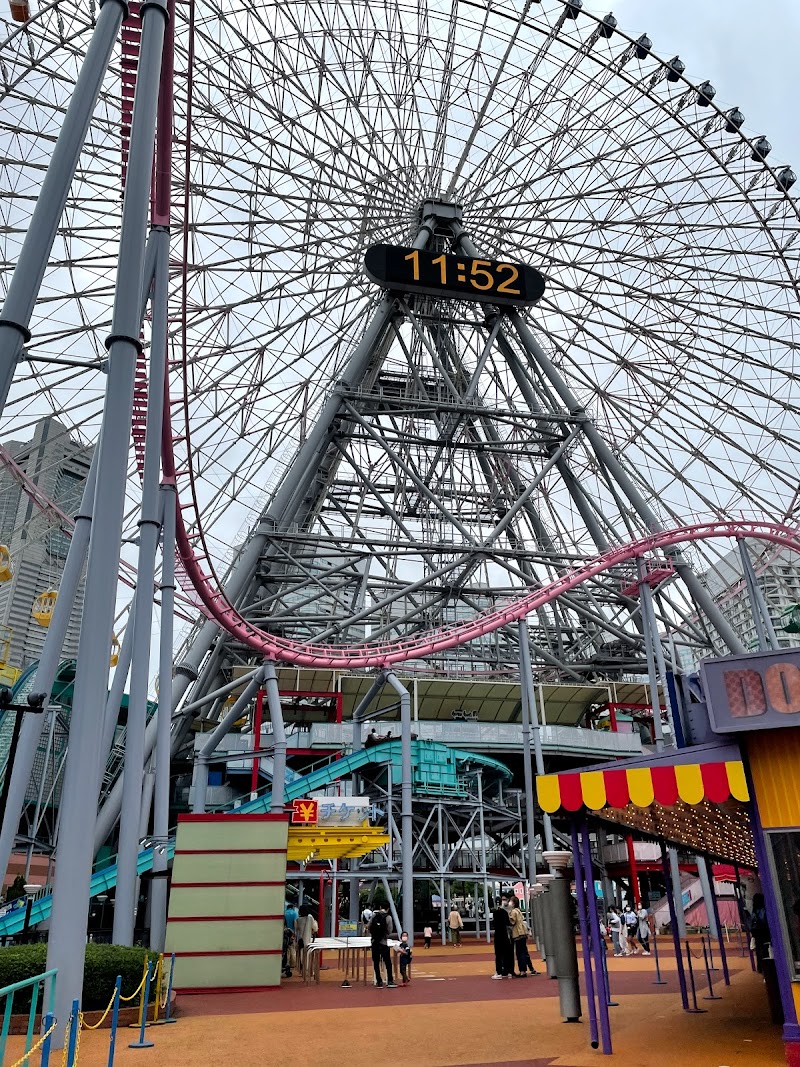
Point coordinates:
[(758, 691)]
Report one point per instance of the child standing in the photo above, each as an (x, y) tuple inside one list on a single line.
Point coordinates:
[(427, 933), (404, 957)]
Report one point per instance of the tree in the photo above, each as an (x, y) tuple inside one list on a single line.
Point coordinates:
[(16, 889)]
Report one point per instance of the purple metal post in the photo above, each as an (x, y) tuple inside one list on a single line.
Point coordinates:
[(597, 941), (580, 894), (771, 897), (673, 922), (744, 926), (723, 955)]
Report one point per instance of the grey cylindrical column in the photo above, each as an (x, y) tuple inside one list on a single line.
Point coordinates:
[(677, 890), (564, 948), (278, 738), (149, 534), (526, 680), (32, 725), (158, 919), (23, 289), (406, 810), (527, 754), (116, 693), (647, 624), (707, 885), (67, 943)]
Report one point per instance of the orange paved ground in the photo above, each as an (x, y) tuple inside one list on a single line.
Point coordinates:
[(452, 1014)]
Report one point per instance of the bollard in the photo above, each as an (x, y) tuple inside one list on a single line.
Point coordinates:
[(72, 1040), (711, 994), (710, 952), (695, 1010), (607, 985), (114, 1020), (159, 980), (168, 1017), (141, 1043), (48, 1022), (658, 980)]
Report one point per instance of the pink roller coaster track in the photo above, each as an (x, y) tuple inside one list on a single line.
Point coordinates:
[(217, 607)]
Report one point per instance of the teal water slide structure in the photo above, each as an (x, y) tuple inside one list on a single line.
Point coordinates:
[(437, 770)]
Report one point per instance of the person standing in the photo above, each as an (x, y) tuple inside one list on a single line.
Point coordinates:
[(366, 919), (503, 948), (519, 939), (644, 917), (615, 928), (456, 925), (631, 930), (290, 915), (380, 929), (404, 955), (427, 934), (761, 938)]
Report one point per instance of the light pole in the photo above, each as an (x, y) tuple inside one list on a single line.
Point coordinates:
[(30, 892), (102, 901)]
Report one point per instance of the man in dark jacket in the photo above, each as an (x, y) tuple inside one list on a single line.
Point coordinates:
[(380, 929), (503, 946)]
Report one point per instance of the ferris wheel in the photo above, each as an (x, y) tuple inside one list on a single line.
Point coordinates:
[(306, 134)]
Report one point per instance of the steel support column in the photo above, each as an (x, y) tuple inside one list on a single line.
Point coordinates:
[(406, 805), (149, 534), (158, 900), (67, 943)]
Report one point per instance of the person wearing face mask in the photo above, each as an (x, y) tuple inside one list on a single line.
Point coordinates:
[(519, 939), (404, 955)]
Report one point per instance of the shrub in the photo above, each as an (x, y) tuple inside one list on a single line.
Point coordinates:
[(103, 964)]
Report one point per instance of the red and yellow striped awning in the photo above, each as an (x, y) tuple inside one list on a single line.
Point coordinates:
[(643, 786)]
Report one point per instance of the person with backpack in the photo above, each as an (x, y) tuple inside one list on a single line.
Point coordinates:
[(380, 929)]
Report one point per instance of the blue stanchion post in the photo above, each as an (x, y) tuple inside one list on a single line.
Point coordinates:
[(141, 1043), (48, 1022), (114, 1020), (72, 1039), (658, 980), (168, 1017), (711, 995), (694, 1009), (606, 983)]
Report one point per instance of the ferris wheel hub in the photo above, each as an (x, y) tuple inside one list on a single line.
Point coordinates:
[(441, 210)]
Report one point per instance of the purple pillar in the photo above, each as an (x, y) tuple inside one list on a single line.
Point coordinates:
[(673, 922), (598, 945), (580, 893), (722, 953)]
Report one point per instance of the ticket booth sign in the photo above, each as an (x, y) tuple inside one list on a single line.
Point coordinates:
[(759, 691)]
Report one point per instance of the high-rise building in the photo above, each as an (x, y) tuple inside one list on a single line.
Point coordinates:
[(778, 577), (55, 467)]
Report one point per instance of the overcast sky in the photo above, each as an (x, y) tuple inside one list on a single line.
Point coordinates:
[(748, 49)]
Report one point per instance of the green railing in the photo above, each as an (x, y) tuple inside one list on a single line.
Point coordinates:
[(36, 985)]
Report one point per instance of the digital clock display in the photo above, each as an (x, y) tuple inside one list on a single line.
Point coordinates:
[(492, 281)]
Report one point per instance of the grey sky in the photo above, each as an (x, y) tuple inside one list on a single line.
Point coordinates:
[(748, 51)]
